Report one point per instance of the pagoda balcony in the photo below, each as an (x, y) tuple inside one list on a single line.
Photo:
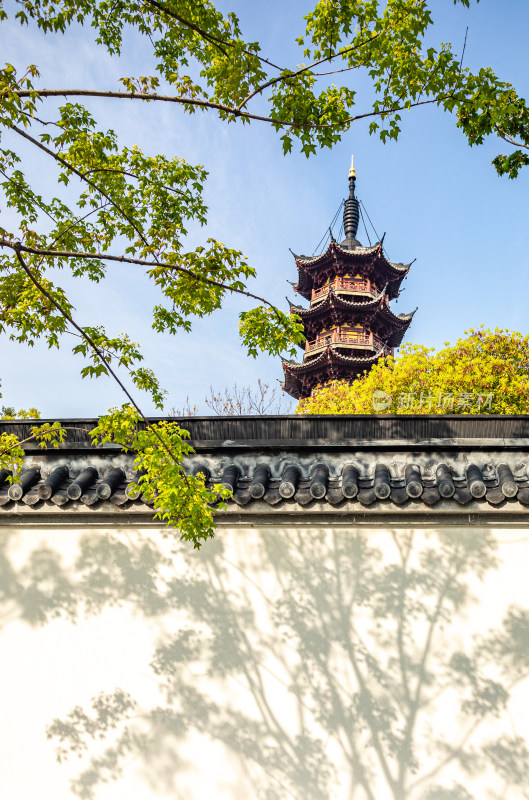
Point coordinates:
[(364, 340), (347, 285)]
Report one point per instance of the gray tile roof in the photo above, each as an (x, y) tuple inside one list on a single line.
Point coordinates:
[(306, 480), (406, 464)]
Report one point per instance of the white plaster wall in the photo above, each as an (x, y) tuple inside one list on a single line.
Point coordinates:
[(253, 683)]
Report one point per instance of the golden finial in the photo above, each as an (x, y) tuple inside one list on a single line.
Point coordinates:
[(352, 171)]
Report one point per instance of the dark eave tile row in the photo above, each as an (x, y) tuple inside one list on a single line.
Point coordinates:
[(87, 487), (352, 485), (315, 484)]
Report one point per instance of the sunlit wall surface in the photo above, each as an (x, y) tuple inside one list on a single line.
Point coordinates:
[(307, 663)]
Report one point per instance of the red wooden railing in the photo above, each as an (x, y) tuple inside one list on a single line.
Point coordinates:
[(345, 285), (342, 337)]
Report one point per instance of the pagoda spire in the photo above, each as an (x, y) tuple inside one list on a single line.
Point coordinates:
[(351, 213)]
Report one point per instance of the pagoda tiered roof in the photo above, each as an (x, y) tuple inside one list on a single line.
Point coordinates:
[(330, 365), (399, 323), (334, 300), (339, 310), (338, 260)]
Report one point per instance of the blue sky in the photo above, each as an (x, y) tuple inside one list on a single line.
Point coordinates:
[(437, 200)]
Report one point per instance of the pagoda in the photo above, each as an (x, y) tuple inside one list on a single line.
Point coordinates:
[(348, 325)]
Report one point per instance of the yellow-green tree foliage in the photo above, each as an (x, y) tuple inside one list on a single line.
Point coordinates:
[(485, 373)]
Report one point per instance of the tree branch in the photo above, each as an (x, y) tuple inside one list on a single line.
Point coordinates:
[(506, 138), (77, 172), (20, 188), (136, 177), (167, 99), (17, 246), (215, 41), (301, 70), (156, 263), (227, 109), (35, 436), (207, 36), (325, 60)]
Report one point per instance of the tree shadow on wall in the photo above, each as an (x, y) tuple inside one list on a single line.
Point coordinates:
[(319, 665), (39, 586)]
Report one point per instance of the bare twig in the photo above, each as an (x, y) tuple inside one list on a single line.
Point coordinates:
[(464, 48)]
